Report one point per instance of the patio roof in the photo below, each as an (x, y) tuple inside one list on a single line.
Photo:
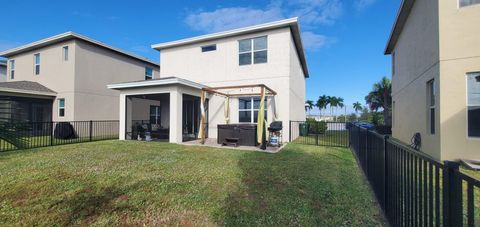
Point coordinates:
[(156, 82), (26, 87)]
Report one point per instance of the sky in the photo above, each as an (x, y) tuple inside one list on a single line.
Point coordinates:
[(344, 40)]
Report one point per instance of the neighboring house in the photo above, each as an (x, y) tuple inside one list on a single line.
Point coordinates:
[(270, 54), (3, 71), (64, 78), (435, 48)]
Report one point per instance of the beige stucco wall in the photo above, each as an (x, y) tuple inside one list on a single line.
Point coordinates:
[(95, 68), (416, 62), (439, 41), (459, 55), (221, 68)]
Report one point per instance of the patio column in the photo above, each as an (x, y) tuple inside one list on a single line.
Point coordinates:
[(176, 100), (122, 126)]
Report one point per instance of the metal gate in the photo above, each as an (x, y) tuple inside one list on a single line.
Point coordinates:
[(320, 133)]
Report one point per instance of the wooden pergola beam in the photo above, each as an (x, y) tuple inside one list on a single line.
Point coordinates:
[(215, 90)]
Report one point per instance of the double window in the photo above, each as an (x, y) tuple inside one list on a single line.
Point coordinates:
[(252, 51), (473, 104), (61, 107), (463, 3), (12, 69), (248, 109), (431, 96), (36, 59), (148, 73)]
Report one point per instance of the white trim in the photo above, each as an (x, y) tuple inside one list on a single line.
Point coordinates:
[(66, 36), (157, 82)]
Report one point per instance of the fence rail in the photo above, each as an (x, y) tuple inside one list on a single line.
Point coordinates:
[(27, 135), (319, 133), (412, 188)]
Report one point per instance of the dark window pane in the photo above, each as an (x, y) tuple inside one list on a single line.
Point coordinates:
[(245, 45), (244, 103), (260, 57), (209, 48), (37, 69), (255, 116), (61, 112), (245, 59), (260, 43), (432, 121), (256, 103), (244, 116), (474, 121)]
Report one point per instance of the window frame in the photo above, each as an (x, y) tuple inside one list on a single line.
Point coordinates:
[(12, 69), (35, 64), (65, 53), (252, 50), (61, 108), (205, 49), (431, 92), (146, 75), (252, 109), (469, 105)]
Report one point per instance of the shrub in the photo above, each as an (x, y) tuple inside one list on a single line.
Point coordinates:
[(316, 126)]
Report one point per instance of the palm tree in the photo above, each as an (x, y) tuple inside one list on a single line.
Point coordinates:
[(333, 103), (322, 103), (340, 103), (357, 106), (308, 106), (381, 98)]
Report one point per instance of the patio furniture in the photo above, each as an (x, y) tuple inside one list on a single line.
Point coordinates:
[(246, 133)]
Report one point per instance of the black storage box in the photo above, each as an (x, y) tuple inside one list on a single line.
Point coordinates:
[(246, 133)]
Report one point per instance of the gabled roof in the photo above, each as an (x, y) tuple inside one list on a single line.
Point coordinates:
[(26, 87), (67, 36), (156, 82), (400, 21), (292, 23)]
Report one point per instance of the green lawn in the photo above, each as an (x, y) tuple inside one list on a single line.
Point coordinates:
[(140, 183)]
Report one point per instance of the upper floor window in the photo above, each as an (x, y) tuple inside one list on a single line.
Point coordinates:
[(463, 3), (252, 51), (431, 102), (61, 107), (248, 109), (209, 48), (473, 104), (65, 53), (148, 73), (12, 69), (37, 64)]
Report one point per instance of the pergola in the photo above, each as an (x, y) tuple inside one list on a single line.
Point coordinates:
[(232, 91)]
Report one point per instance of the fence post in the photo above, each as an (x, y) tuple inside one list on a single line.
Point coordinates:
[(317, 132), (91, 130), (52, 131), (452, 195), (290, 132), (385, 171)]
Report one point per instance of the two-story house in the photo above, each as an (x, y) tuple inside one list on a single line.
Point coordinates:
[(64, 78), (245, 61), (435, 49)]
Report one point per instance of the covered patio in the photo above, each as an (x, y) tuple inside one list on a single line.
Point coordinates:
[(177, 110)]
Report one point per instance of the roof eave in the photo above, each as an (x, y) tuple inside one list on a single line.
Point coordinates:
[(400, 20), (150, 83), (28, 92)]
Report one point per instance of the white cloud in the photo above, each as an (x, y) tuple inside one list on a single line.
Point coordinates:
[(314, 42), (362, 4), (230, 18)]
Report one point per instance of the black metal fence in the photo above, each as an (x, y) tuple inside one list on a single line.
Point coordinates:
[(27, 135), (319, 133), (412, 188)]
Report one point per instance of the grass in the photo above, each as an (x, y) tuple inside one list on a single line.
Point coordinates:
[(43, 141), (139, 183)]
